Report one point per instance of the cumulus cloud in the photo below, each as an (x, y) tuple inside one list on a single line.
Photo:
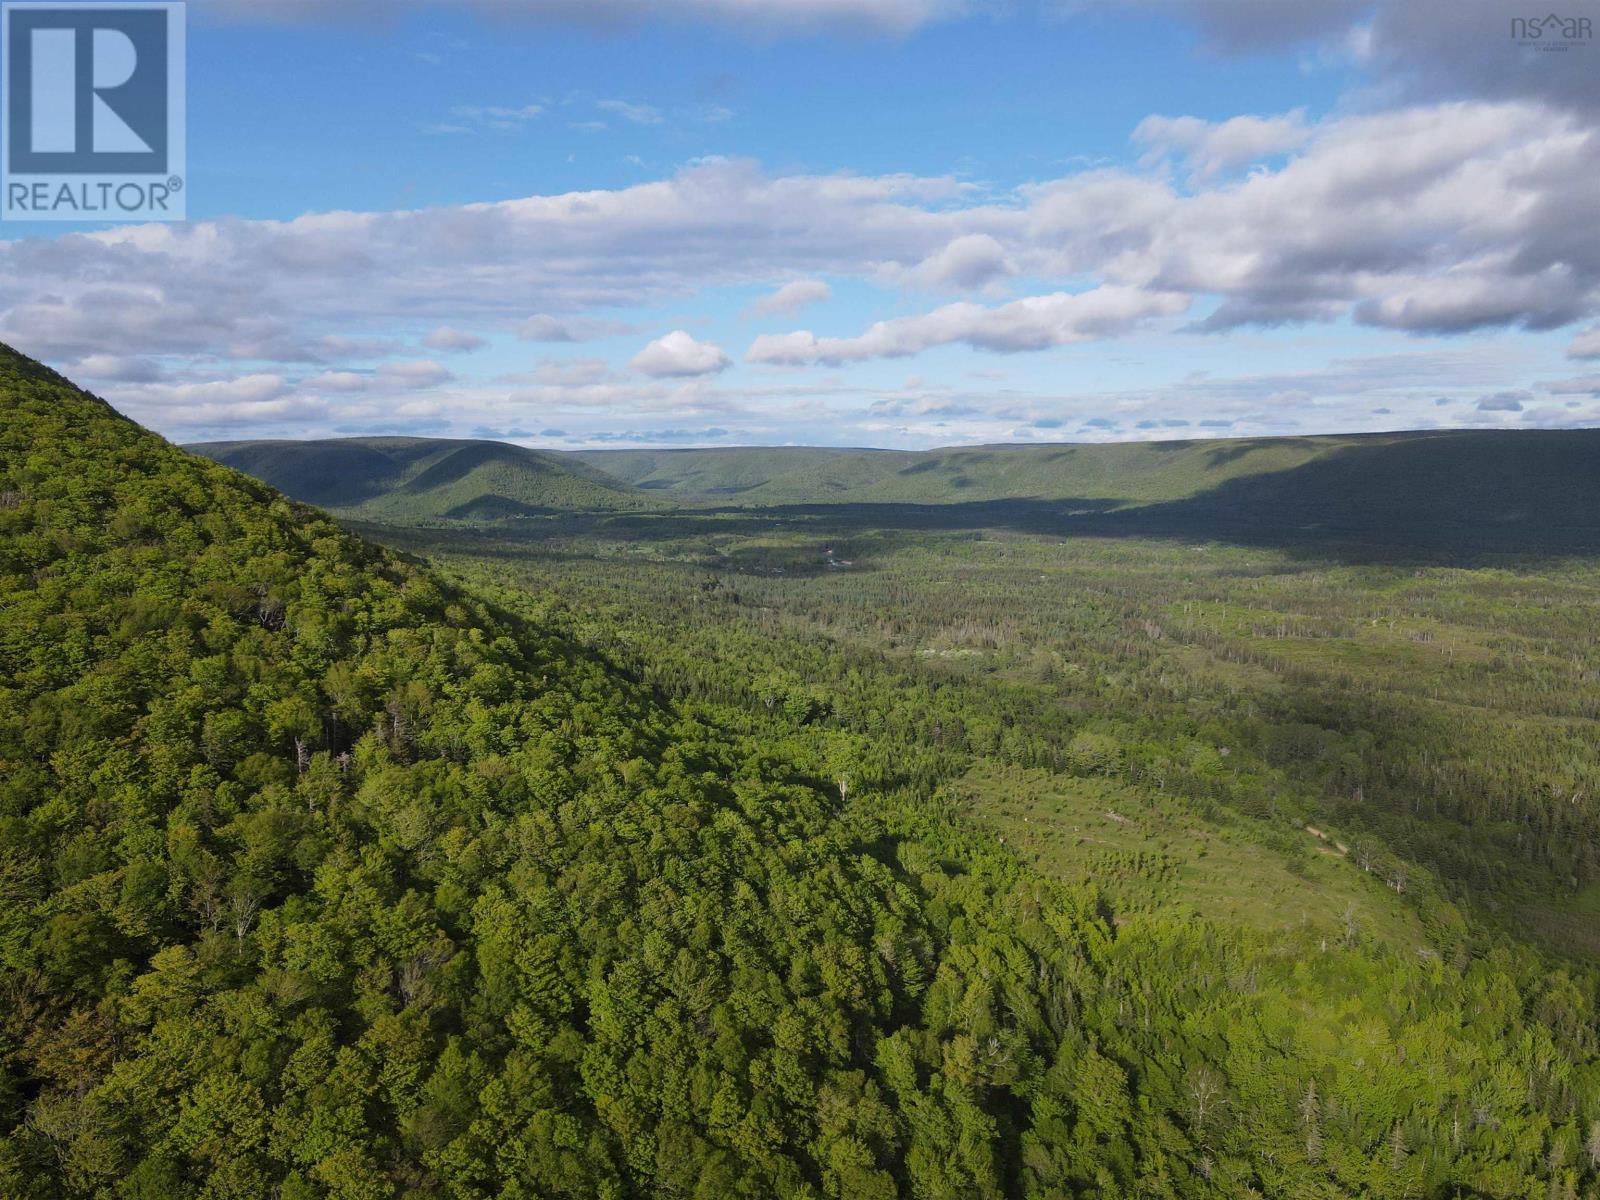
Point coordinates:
[(390, 377), (242, 403), (544, 328), (1503, 402), (1252, 25), (246, 389), (970, 261), (567, 372), (455, 341), (679, 355), (1212, 148), (1582, 385), (117, 368), (422, 373), (1553, 417), (1424, 49), (1586, 344), (1033, 323), (339, 347), (86, 314), (270, 289), (791, 298), (1471, 298), (1430, 220)]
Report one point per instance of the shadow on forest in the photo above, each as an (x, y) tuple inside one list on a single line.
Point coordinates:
[(1448, 498), (1460, 499)]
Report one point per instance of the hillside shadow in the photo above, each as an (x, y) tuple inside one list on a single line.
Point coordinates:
[(1456, 495), (458, 464), (1448, 499), (1222, 455), (500, 508), (1452, 498)]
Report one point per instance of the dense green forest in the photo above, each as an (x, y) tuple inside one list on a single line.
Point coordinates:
[(776, 853), (426, 478), (1123, 473), (1450, 491)]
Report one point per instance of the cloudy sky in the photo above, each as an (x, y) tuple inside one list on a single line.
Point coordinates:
[(850, 222)]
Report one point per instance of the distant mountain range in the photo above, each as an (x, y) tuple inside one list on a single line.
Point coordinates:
[(327, 874), (424, 479), (1127, 472), (1489, 489)]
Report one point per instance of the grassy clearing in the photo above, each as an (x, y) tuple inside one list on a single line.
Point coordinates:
[(1152, 854)]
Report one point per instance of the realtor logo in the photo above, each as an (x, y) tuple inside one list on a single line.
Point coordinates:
[(92, 111)]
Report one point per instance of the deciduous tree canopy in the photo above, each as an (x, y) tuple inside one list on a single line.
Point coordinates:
[(321, 876)]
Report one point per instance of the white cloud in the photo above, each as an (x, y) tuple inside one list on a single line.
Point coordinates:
[(639, 114), (501, 117), (246, 389), (1582, 385), (422, 373), (544, 328), (389, 377), (1503, 402), (117, 368), (239, 404), (970, 261), (340, 381), (677, 355), (1210, 148), (1427, 49), (1586, 344), (1432, 220), (1428, 220), (791, 298), (1033, 323), (455, 341), (342, 348)]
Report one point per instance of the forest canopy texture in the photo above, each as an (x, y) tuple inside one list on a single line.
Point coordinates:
[(322, 877)]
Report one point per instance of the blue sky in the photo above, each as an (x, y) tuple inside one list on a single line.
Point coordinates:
[(279, 111), (886, 222)]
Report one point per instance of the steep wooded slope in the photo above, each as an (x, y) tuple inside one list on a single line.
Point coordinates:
[(319, 878), (412, 479)]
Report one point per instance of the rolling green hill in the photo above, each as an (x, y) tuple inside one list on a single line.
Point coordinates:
[(1458, 491), (720, 473), (325, 877), (1492, 491), (416, 479), (1305, 471), (1126, 473)]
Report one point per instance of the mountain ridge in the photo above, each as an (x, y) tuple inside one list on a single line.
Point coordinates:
[(326, 878), (425, 478), (1131, 471), (1497, 489)]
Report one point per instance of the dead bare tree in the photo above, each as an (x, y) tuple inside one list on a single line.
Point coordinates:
[(1205, 1091)]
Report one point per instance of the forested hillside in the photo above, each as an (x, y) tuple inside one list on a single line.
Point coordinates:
[(723, 472), (1125, 472), (1447, 491), (1553, 471), (323, 876), (420, 479)]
